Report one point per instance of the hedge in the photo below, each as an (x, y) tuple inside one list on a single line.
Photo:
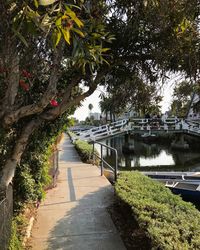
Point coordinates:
[(85, 150), (18, 232), (168, 221), (72, 135)]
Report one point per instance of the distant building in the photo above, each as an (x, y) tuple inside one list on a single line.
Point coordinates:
[(129, 114), (96, 116), (124, 115), (194, 109)]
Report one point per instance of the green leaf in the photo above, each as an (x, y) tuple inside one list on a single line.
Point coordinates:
[(58, 37), (23, 40), (66, 35), (59, 22), (104, 60), (47, 2), (105, 49), (73, 16), (72, 5), (78, 32), (96, 35), (36, 3)]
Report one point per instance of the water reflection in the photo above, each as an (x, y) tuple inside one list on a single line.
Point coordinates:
[(152, 157)]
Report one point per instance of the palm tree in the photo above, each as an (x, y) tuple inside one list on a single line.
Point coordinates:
[(90, 106), (106, 107)]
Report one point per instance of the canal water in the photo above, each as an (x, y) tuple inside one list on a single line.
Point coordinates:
[(151, 156)]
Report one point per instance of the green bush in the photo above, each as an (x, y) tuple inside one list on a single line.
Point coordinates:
[(18, 230), (72, 135), (168, 221), (32, 175), (85, 150)]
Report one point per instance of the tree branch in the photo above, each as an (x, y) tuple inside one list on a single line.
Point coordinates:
[(67, 103), (11, 164), (28, 110)]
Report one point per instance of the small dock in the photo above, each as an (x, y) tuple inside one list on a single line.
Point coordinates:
[(74, 214)]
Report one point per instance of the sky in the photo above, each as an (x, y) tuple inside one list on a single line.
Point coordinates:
[(82, 112)]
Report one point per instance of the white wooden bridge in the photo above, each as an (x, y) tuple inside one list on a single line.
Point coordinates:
[(138, 125)]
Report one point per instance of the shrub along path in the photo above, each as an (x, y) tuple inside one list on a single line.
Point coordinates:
[(74, 214)]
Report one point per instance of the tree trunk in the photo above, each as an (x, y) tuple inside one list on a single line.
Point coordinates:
[(11, 67), (114, 117), (8, 171)]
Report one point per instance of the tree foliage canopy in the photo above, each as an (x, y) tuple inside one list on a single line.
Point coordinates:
[(153, 39), (157, 35), (182, 97)]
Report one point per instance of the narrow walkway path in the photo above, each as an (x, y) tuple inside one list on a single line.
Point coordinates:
[(74, 215)]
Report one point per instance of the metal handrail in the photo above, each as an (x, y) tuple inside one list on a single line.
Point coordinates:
[(115, 169)]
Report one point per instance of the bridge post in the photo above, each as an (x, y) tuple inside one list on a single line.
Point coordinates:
[(107, 129), (127, 138), (165, 127), (180, 143), (128, 147)]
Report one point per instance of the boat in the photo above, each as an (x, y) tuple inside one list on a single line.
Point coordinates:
[(148, 137), (188, 190), (193, 176), (186, 184)]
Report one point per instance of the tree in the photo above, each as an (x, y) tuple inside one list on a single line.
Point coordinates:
[(48, 48), (135, 95), (90, 107), (153, 38), (157, 35), (108, 106), (182, 98), (105, 105)]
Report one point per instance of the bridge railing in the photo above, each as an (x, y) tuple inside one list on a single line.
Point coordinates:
[(156, 124), (140, 124), (108, 129), (192, 126), (102, 161)]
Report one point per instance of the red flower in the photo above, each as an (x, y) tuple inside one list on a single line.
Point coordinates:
[(26, 74), (3, 70), (54, 103), (24, 85)]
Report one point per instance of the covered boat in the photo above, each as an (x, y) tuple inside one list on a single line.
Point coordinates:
[(186, 184)]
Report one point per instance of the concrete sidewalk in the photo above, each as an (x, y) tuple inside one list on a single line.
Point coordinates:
[(74, 215)]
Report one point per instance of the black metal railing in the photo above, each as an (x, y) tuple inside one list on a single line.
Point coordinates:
[(102, 161)]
